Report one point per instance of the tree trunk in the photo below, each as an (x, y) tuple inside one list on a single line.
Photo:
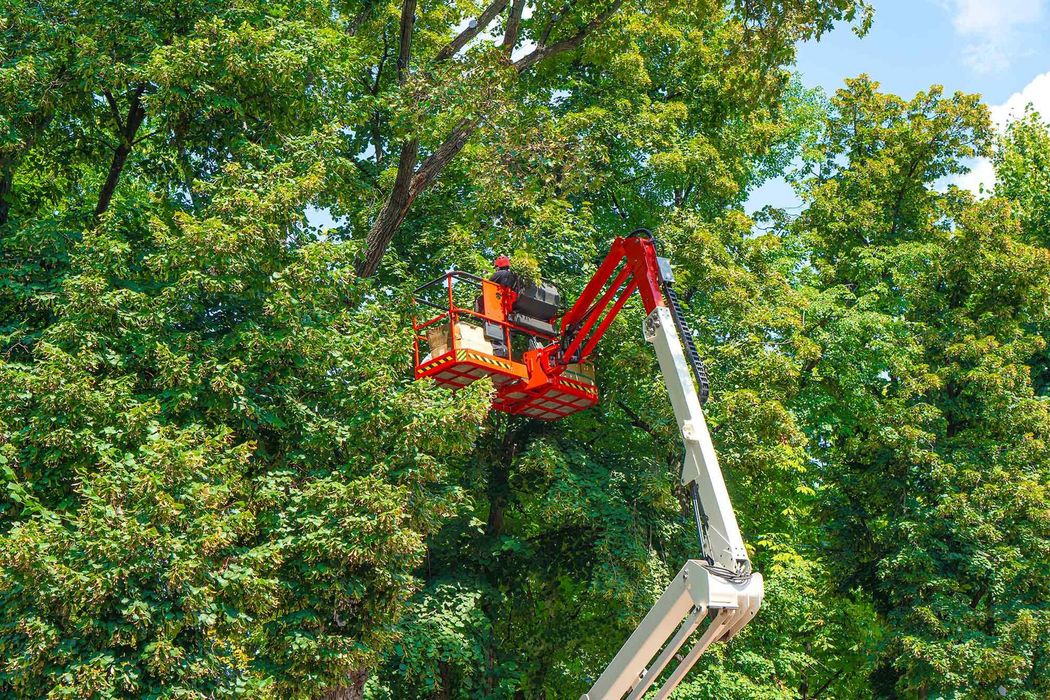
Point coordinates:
[(393, 213), (409, 185), (127, 131), (7, 178), (444, 691), (499, 490), (354, 691)]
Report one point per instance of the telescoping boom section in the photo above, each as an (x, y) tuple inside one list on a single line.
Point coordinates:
[(541, 369)]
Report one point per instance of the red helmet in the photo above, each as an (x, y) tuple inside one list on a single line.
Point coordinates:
[(501, 262)]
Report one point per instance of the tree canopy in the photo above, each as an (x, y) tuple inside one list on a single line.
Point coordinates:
[(220, 479)]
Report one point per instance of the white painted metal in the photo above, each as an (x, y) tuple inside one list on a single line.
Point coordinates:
[(696, 593), (701, 463)]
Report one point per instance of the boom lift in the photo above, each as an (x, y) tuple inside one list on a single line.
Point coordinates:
[(552, 379)]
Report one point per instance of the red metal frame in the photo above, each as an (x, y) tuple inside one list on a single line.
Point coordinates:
[(458, 365), (541, 385), (631, 265)]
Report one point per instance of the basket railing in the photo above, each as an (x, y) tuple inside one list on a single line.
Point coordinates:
[(449, 295)]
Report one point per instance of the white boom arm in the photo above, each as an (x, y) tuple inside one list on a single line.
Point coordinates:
[(726, 591)]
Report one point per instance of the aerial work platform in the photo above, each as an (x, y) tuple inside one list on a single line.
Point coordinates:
[(537, 358), (456, 348)]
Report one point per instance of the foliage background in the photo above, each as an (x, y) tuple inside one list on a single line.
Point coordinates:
[(220, 479)]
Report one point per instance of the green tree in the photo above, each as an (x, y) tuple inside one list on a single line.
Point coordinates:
[(220, 470), (571, 522), (220, 479), (1022, 173), (1022, 170), (920, 404)]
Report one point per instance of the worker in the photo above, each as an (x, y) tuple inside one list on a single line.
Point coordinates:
[(503, 274), (493, 331)]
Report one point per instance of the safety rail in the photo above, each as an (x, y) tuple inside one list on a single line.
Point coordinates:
[(449, 301)]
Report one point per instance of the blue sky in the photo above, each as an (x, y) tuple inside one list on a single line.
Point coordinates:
[(997, 48)]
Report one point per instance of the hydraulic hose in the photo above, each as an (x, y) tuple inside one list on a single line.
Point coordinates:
[(703, 386)]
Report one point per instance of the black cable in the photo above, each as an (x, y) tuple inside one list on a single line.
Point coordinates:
[(703, 386), (728, 575)]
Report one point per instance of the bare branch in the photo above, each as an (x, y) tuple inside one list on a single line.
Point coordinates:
[(510, 36), (114, 109), (544, 51), (464, 37), (404, 53)]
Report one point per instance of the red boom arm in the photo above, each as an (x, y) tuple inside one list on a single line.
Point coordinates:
[(630, 265), (553, 381)]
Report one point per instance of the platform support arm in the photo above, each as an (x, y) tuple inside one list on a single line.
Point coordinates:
[(630, 266), (724, 594), (701, 463)]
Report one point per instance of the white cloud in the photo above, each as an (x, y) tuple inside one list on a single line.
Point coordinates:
[(992, 28), (981, 175), (986, 57), (1037, 94), (993, 16)]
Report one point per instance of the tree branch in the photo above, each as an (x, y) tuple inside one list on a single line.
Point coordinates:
[(617, 206), (510, 36), (393, 212), (553, 22), (114, 109), (436, 161), (136, 115), (543, 52), (826, 683), (360, 19), (638, 422), (464, 37), (374, 89), (396, 206), (409, 185), (404, 52), (687, 190)]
